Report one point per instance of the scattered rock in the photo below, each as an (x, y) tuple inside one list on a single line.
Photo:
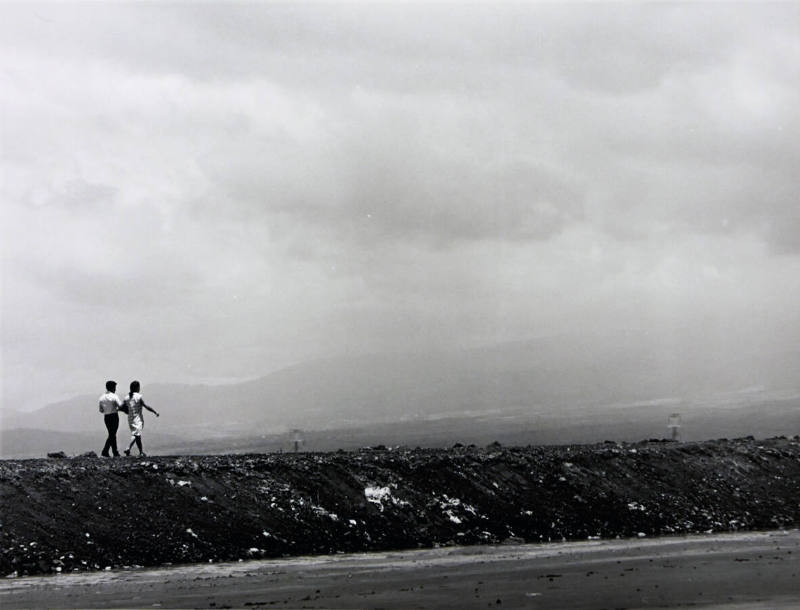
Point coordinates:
[(58, 455), (321, 503)]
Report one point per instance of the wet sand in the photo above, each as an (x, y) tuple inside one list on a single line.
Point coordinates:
[(740, 571)]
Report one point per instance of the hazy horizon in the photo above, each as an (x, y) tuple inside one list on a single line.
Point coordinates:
[(212, 192)]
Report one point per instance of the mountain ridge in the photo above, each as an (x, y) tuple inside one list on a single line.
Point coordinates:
[(546, 377)]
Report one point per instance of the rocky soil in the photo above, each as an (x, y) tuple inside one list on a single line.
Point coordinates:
[(88, 513)]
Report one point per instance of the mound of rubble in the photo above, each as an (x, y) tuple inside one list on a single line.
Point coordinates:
[(88, 513)]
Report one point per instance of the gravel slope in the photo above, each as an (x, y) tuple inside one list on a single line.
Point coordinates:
[(59, 515)]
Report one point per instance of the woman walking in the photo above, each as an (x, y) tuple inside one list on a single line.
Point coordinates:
[(135, 403)]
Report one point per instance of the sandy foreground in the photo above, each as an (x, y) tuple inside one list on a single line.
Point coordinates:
[(742, 570)]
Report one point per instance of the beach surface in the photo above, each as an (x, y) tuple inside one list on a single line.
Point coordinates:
[(732, 570)]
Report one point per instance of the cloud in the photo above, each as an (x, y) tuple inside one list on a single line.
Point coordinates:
[(409, 194), (244, 185)]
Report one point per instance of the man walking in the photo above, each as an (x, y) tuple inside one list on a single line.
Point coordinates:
[(109, 405)]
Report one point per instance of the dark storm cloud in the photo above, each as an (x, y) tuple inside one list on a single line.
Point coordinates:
[(400, 190), (459, 202)]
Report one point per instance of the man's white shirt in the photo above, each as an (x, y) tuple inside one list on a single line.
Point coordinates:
[(109, 403)]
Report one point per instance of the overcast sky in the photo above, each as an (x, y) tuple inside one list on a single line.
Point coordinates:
[(199, 193)]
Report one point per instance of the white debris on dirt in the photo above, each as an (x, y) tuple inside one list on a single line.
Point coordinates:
[(382, 497), (450, 506), (322, 512), (377, 495)]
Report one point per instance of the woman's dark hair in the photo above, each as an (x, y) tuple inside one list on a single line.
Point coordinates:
[(134, 388), (111, 386)]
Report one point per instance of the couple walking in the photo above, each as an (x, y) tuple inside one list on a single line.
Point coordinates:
[(133, 404)]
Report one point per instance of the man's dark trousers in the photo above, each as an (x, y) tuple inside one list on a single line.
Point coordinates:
[(112, 424)]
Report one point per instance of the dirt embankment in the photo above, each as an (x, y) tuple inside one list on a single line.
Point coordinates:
[(89, 513)]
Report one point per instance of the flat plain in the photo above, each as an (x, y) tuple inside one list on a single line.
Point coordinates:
[(741, 571)]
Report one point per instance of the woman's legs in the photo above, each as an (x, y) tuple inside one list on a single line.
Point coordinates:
[(138, 441), (136, 423)]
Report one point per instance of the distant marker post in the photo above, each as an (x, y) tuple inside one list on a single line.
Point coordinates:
[(297, 439), (674, 423)]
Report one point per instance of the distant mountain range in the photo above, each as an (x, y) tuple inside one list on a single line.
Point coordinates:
[(597, 380)]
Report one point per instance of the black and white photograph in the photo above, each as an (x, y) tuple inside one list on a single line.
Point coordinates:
[(400, 305)]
